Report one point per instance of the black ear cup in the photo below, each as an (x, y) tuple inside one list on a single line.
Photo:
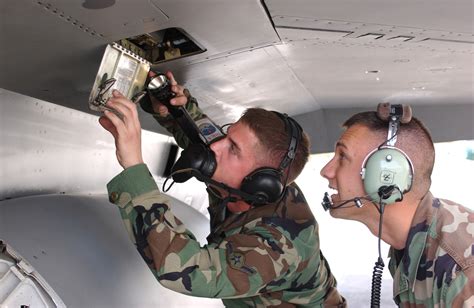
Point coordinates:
[(198, 157), (265, 184)]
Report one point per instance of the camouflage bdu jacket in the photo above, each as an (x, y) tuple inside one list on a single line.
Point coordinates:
[(266, 257), (436, 268)]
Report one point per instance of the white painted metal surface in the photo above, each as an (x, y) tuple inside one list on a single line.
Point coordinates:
[(298, 57), (79, 245), (48, 148), (21, 285)]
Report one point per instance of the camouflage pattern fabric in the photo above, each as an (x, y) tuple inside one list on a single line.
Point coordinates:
[(268, 256), (436, 268)]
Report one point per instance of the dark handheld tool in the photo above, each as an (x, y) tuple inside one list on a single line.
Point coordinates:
[(159, 87), (202, 130)]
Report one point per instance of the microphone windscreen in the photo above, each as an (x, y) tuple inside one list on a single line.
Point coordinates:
[(383, 111)]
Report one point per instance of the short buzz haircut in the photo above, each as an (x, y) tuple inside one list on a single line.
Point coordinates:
[(275, 138), (413, 138)]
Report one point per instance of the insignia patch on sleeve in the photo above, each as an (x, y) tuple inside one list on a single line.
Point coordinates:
[(236, 260)]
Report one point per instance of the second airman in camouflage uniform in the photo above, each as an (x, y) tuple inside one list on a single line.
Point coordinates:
[(432, 240)]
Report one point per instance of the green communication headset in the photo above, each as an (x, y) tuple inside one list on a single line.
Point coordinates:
[(387, 172)]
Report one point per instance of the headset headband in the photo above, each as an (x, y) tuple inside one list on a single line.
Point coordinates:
[(295, 132)]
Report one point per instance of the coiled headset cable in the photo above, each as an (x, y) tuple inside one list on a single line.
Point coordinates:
[(378, 268)]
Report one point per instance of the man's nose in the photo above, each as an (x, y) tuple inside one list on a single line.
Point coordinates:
[(217, 146), (328, 170)]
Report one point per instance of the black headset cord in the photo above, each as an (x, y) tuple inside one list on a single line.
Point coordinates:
[(378, 268), (185, 170)]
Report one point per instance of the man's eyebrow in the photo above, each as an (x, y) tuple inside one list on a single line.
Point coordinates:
[(234, 144), (227, 126), (341, 144)]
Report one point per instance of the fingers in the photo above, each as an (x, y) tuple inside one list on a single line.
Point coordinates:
[(162, 110), (175, 87), (111, 122), (127, 140), (116, 93), (124, 106), (121, 120), (180, 99), (178, 90), (171, 78), (151, 74), (108, 125)]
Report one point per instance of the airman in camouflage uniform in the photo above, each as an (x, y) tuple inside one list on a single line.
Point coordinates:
[(436, 269), (267, 256), (432, 240)]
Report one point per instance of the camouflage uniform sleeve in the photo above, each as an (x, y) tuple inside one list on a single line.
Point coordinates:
[(436, 268), (240, 266), (460, 292), (170, 124)]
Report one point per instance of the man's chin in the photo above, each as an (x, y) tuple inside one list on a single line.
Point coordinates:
[(339, 213), (350, 213), (334, 213)]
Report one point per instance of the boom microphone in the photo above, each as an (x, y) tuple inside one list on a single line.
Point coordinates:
[(383, 193), (327, 203)]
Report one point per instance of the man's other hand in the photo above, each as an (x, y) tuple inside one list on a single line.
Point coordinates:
[(125, 128), (179, 100)]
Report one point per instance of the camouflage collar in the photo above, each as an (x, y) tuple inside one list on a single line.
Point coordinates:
[(292, 207), (421, 226)]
